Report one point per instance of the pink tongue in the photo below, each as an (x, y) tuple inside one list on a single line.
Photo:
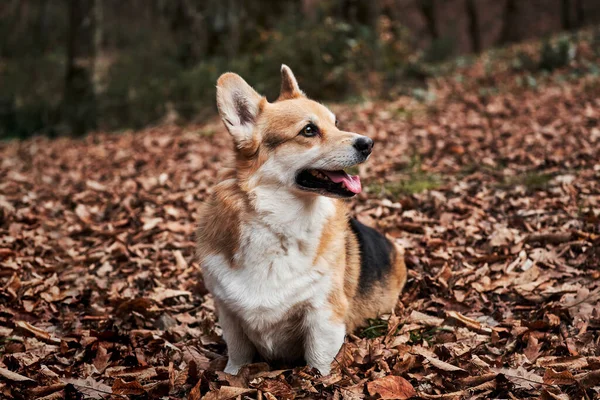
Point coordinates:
[(352, 182)]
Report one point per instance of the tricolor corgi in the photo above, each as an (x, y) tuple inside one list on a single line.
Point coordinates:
[(289, 270)]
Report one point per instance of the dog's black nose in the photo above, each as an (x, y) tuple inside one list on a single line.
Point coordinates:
[(364, 145)]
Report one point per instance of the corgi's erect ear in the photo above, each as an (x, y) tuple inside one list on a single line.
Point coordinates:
[(239, 106), (289, 84)]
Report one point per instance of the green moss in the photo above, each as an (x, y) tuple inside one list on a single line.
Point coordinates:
[(352, 170), (207, 132), (531, 180), (416, 182), (426, 335)]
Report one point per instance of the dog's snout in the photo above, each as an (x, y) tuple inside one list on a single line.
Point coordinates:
[(364, 145)]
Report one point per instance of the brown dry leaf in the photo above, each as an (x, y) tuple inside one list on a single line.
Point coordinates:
[(552, 377), (59, 395), (417, 317), (436, 362), (90, 387), (532, 351), (40, 391), (547, 394), (277, 388), (405, 364), (180, 260), (160, 294), (446, 396), (139, 373), (13, 376), (562, 363), (589, 379), (520, 377), (102, 358), (37, 332), (468, 322), (391, 387), (127, 388), (195, 393), (227, 392)]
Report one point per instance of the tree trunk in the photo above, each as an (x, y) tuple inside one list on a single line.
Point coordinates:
[(427, 8), (234, 20), (79, 103), (473, 26), (42, 25), (579, 13), (565, 14), (509, 34)]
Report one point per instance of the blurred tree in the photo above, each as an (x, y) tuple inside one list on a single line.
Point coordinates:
[(79, 105), (428, 9), (509, 31), (474, 33), (579, 13), (114, 63), (566, 15), (190, 29)]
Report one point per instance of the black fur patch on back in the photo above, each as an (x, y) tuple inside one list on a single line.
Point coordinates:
[(375, 255)]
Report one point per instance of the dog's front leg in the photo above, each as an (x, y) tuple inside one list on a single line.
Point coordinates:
[(239, 347), (324, 338)]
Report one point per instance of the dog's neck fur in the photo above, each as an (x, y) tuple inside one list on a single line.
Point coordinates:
[(283, 209), (286, 211)]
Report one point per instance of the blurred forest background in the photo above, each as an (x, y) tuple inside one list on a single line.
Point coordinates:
[(70, 66)]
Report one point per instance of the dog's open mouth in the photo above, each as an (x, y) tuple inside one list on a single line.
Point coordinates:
[(336, 183)]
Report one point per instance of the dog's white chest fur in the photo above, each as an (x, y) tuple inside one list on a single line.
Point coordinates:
[(272, 279)]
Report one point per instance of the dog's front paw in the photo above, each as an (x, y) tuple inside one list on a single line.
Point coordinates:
[(323, 369), (232, 369)]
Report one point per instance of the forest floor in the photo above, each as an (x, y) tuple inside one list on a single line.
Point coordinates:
[(492, 183)]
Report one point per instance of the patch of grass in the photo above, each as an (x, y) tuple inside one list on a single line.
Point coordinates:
[(415, 336), (207, 132), (420, 182), (426, 335), (377, 328), (531, 180), (352, 170), (417, 182)]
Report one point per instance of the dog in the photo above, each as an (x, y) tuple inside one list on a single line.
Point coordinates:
[(289, 270)]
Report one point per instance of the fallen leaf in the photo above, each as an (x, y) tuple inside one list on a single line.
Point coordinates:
[(227, 392), (161, 294), (37, 332), (90, 387), (436, 362), (561, 363), (589, 379), (424, 319), (127, 388), (521, 377), (552, 377), (468, 322), (391, 387), (13, 376)]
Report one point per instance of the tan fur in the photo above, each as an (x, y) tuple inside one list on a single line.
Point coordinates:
[(221, 232), (347, 303)]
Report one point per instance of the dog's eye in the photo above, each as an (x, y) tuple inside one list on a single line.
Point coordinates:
[(337, 123), (310, 130)]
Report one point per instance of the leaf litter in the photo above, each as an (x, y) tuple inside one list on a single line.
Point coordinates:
[(101, 297)]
